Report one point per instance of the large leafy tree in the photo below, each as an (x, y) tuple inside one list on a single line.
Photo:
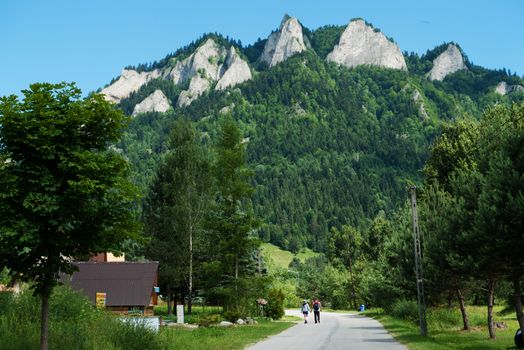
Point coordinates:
[(176, 207), (63, 191), (344, 249)]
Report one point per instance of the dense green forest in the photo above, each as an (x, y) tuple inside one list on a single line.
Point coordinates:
[(329, 145)]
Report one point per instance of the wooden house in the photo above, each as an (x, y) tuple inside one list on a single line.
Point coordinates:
[(121, 287)]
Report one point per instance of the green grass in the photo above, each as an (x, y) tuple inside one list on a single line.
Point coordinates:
[(289, 318), (444, 328), (212, 338), (197, 312), (282, 258)]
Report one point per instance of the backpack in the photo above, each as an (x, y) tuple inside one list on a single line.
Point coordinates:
[(316, 306)]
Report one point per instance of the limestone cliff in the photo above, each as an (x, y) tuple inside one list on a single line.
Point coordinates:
[(156, 102), (450, 61), (128, 82), (210, 62), (285, 43), (360, 44), (237, 71), (504, 88)]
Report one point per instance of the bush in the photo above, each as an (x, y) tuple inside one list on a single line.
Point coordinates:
[(131, 336), (207, 320), (232, 315), (73, 324), (405, 309), (275, 304)]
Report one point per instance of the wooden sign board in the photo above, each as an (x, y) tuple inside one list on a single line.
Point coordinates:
[(101, 300)]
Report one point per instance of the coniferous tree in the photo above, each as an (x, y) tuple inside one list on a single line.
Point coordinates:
[(176, 208), (231, 222)]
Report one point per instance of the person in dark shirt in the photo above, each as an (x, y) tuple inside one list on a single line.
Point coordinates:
[(316, 309)]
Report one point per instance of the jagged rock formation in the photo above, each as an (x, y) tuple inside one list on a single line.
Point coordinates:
[(503, 88), (285, 43), (237, 72), (128, 82), (360, 44), (156, 102), (446, 63), (417, 98), (209, 63)]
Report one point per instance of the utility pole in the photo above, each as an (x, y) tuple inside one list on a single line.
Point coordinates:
[(418, 265)]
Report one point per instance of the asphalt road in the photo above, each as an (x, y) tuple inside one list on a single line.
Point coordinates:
[(335, 332)]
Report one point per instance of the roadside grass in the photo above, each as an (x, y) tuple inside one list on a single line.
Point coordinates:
[(444, 328), (327, 309), (76, 324), (289, 318), (212, 338)]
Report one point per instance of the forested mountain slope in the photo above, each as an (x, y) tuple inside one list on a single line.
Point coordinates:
[(329, 145)]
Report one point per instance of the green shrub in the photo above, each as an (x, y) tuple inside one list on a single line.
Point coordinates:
[(275, 304), (73, 324), (207, 320), (132, 336), (232, 315), (405, 309)]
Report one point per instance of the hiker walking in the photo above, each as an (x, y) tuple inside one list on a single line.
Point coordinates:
[(305, 310), (316, 310)]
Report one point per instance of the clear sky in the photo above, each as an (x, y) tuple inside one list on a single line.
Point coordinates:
[(90, 41)]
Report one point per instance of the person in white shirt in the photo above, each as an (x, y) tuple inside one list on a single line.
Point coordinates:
[(305, 310)]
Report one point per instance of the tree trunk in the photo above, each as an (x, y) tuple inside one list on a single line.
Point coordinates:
[(236, 267), (491, 292), (450, 300), (463, 311), (190, 291), (236, 275), (44, 322), (169, 310), (517, 295)]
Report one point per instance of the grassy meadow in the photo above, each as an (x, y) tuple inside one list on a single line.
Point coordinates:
[(282, 258)]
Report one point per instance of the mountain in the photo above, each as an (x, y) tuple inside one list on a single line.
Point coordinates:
[(211, 65), (448, 62), (338, 121), (361, 44), (284, 43)]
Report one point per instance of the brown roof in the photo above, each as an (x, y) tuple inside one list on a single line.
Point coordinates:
[(125, 283)]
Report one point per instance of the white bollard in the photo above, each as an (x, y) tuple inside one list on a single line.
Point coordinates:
[(180, 314)]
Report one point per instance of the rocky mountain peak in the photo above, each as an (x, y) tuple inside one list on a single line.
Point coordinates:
[(450, 61), (156, 102), (285, 43), (129, 81), (360, 44), (237, 71), (210, 62)]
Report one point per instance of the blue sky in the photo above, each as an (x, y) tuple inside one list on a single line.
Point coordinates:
[(90, 41)]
